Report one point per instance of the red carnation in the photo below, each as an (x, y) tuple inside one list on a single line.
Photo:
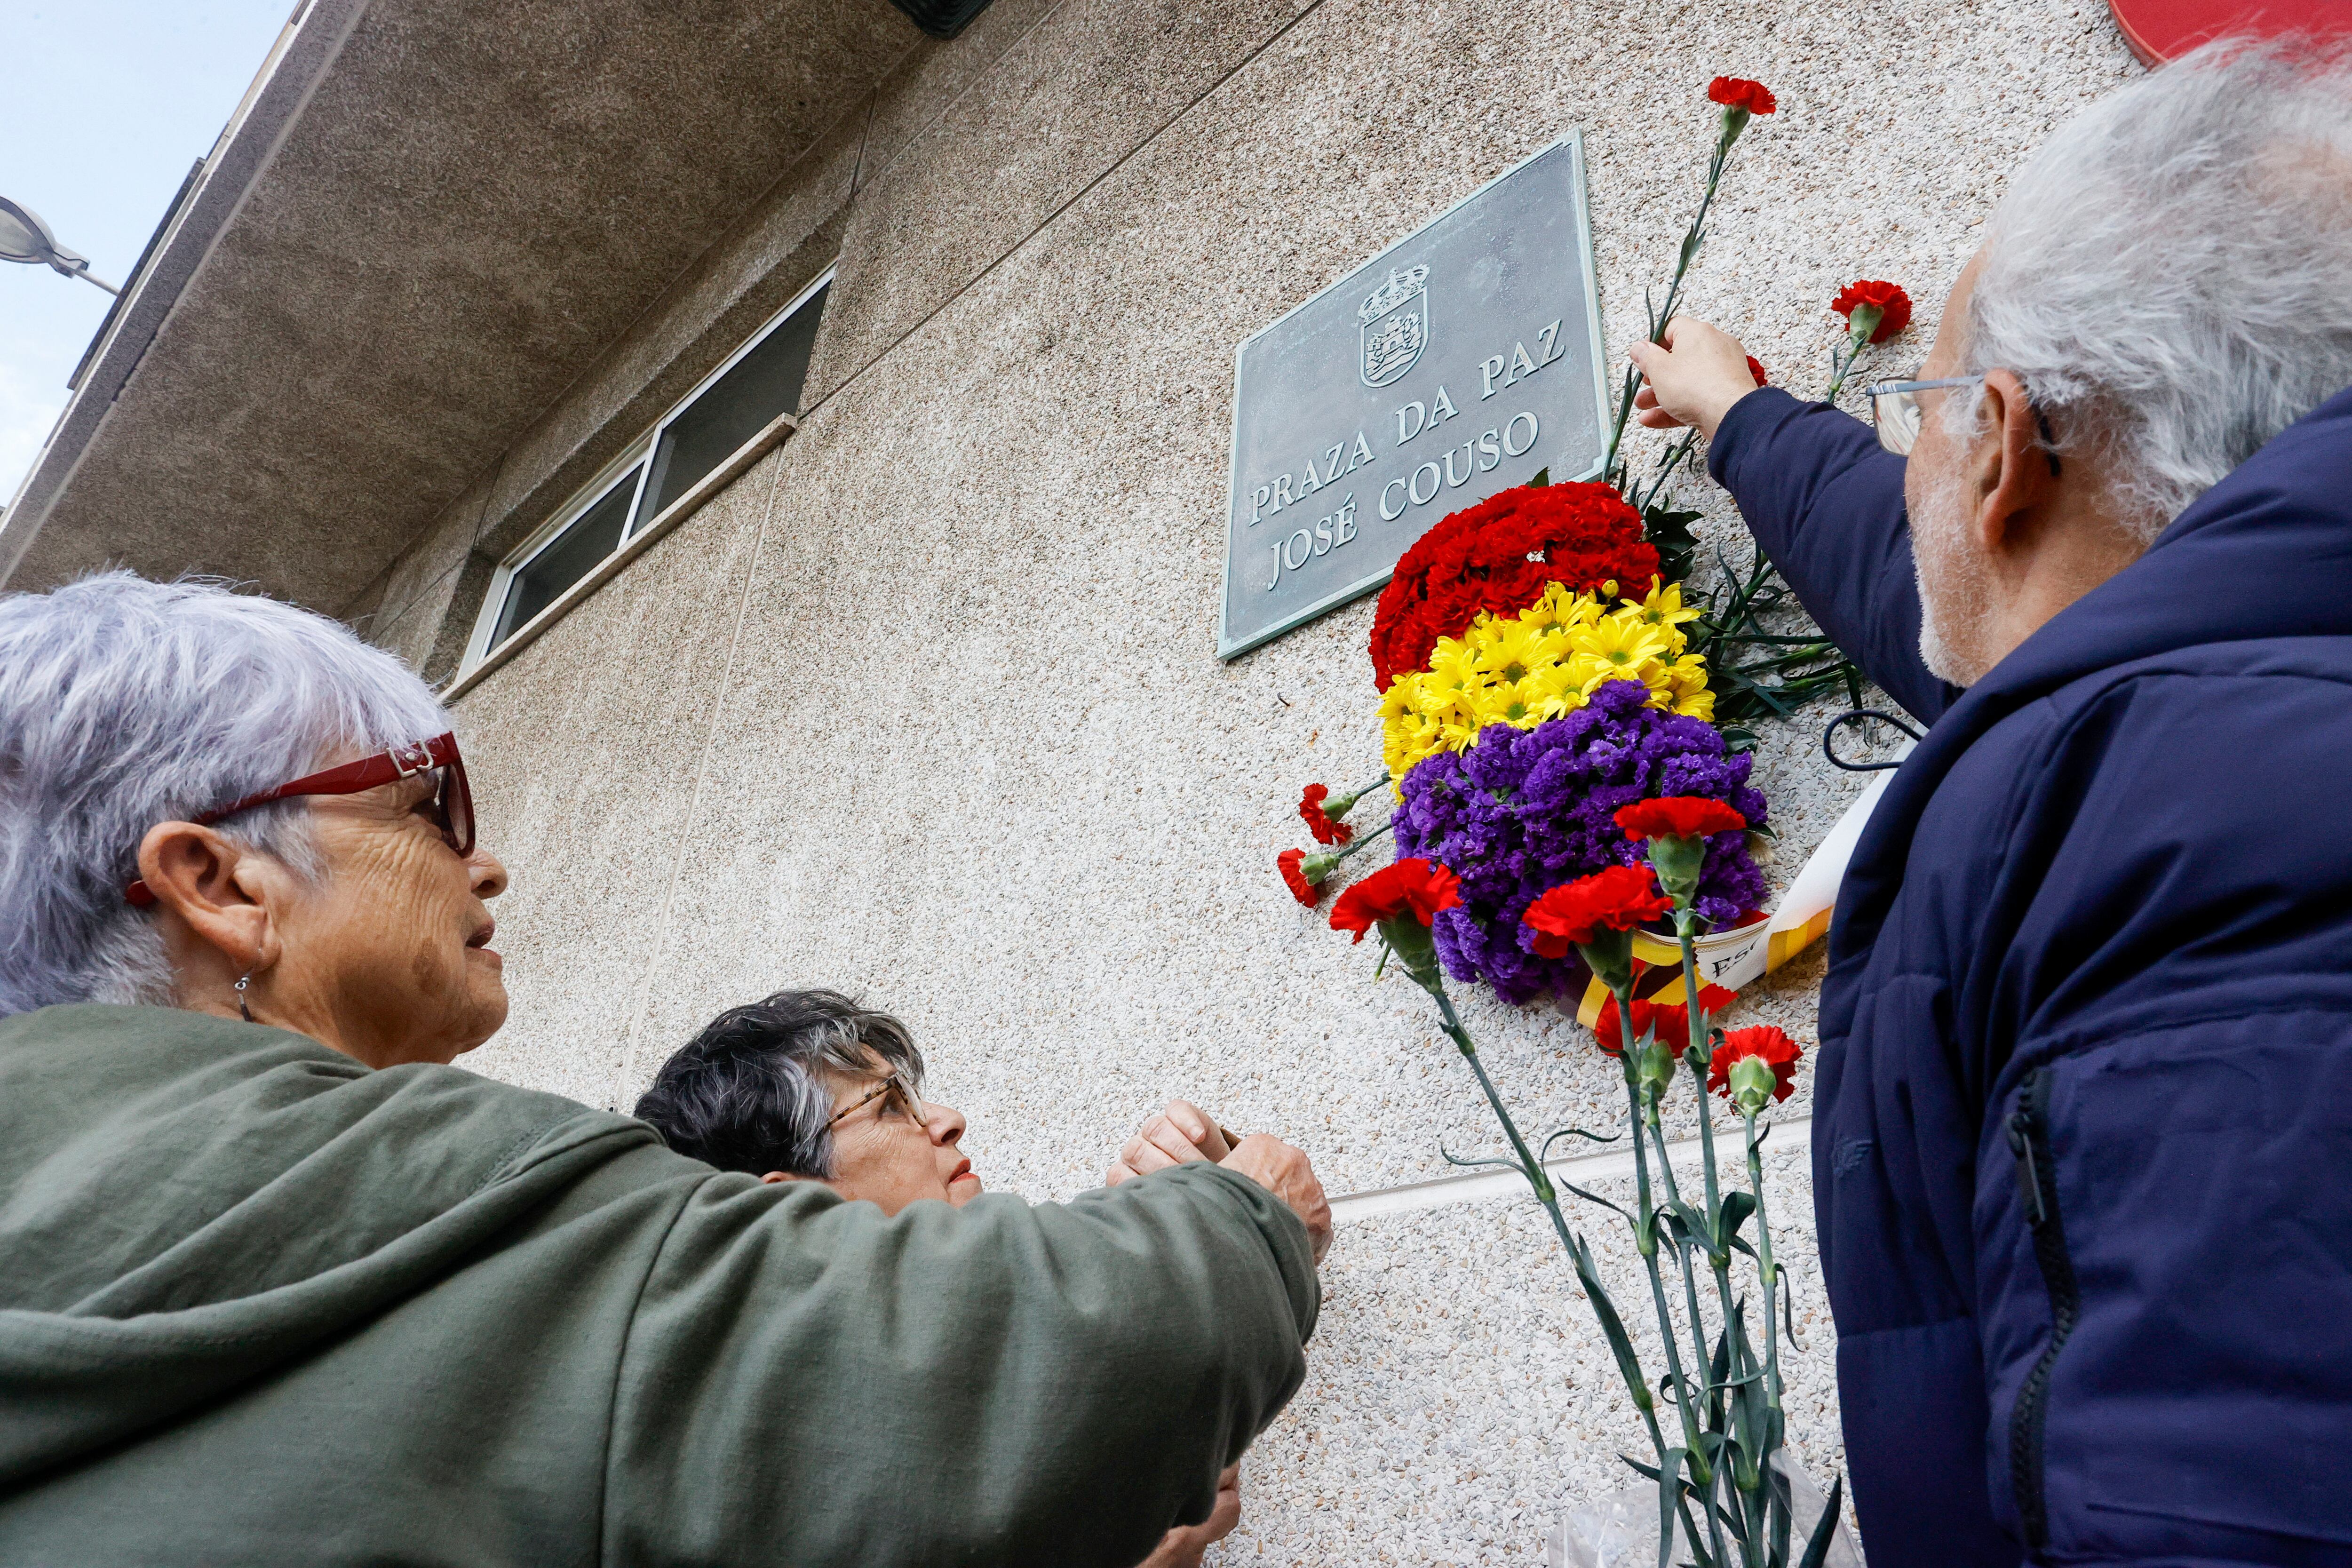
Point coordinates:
[(1739, 92), (1310, 808), (1413, 887), (1888, 298), (1677, 816), (1756, 369), (1767, 1044), (1305, 891), (1620, 897), (1497, 556), (1671, 1022), (1672, 1025)]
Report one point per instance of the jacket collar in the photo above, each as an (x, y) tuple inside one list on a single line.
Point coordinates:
[(2266, 553)]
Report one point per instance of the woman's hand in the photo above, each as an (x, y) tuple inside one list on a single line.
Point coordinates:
[(1693, 379), (1183, 1547), (1182, 1131)]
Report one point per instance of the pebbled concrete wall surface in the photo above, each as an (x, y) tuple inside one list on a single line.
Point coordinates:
[(925, 705)]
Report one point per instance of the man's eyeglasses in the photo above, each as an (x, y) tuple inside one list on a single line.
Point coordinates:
[(1895, 409), (897, 1084), (450, 807)]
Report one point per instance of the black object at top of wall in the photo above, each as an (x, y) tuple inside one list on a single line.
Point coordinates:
[(941, 19)]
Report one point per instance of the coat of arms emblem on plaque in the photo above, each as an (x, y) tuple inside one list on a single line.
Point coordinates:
[(1393, 325)]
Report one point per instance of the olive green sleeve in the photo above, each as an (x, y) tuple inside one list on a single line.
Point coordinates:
[(806, 1381)]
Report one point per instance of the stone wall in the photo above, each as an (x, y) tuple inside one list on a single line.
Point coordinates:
[(925, 705)]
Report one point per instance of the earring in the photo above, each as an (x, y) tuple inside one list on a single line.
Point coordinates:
[(243, 1010)]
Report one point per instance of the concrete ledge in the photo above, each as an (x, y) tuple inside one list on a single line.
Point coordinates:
[(1583, 1169)]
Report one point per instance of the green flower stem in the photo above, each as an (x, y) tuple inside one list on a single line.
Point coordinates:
[(1857, 338), (1769, 1271), (1706, 1393), (1625, 391), (1339, 807), (1666, 466), (1750, 1468), (1645, 1236), (1527, 1162), (1747, 1469), (1545, 1194), (1331, 857), (1699, 1057), (1658, 319)]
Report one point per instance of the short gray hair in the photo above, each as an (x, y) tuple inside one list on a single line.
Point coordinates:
[(124, 703), (2171, 274), (752, 1092)]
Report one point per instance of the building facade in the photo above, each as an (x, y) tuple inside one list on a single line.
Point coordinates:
[(799, 448)]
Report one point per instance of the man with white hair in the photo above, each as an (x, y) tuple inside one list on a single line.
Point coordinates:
[(2085, 1081)]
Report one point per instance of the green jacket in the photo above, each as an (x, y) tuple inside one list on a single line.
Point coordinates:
[(260, 1305)]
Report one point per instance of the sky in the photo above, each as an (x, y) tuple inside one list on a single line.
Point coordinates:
[(109, 102)]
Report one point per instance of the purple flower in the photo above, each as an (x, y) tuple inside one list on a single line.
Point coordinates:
[(1519, 812)]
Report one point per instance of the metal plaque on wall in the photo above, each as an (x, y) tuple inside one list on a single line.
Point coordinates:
[(1454, 365)]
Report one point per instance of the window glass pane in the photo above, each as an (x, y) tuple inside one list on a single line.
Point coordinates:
[(734, 408), (576, 551)]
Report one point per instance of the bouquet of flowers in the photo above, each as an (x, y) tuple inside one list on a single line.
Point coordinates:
[(1548, 686), (1562, 728)]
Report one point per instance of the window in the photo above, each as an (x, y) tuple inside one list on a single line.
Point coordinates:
[(568, 557), (765, 381), (693, 441)]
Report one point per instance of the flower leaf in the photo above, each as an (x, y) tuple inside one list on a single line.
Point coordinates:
[(1671, 1465), (1737, 1206), (1612, 1326), (1816, 1550)]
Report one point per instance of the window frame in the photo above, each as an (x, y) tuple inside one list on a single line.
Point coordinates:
[(638, 532)]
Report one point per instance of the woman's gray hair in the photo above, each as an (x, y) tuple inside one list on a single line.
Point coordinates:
[(753, 1092), (2171, 274), (124, 703)]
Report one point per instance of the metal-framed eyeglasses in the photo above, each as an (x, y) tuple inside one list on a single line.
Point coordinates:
[(1894, 408), (898, 1086)]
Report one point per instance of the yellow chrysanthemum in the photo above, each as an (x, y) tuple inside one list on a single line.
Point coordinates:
[(1507, 650), (1561, 609), (1553, 689), (1540, 664), (1663, 606), (1454, 671), (1508, 702), (1624, 642), (1687, 679), (1687, 675)]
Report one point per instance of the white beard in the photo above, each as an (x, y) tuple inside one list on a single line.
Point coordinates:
[(1955, 587)]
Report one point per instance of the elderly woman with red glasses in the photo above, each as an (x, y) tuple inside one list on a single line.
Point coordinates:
[(279, 1285)]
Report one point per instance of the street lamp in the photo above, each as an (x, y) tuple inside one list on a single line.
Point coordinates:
[(25, 237)]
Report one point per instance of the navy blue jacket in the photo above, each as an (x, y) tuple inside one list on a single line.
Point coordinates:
[(2083, 1113)]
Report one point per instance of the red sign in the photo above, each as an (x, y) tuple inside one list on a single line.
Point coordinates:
[(2159, 30)]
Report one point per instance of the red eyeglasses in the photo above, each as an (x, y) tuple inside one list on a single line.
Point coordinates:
[(451, 808)]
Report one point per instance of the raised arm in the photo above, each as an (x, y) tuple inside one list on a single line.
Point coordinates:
[(808, 1381), (1821, 497)]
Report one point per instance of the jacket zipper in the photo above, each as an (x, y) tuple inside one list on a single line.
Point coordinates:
[(2037, 1185)]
